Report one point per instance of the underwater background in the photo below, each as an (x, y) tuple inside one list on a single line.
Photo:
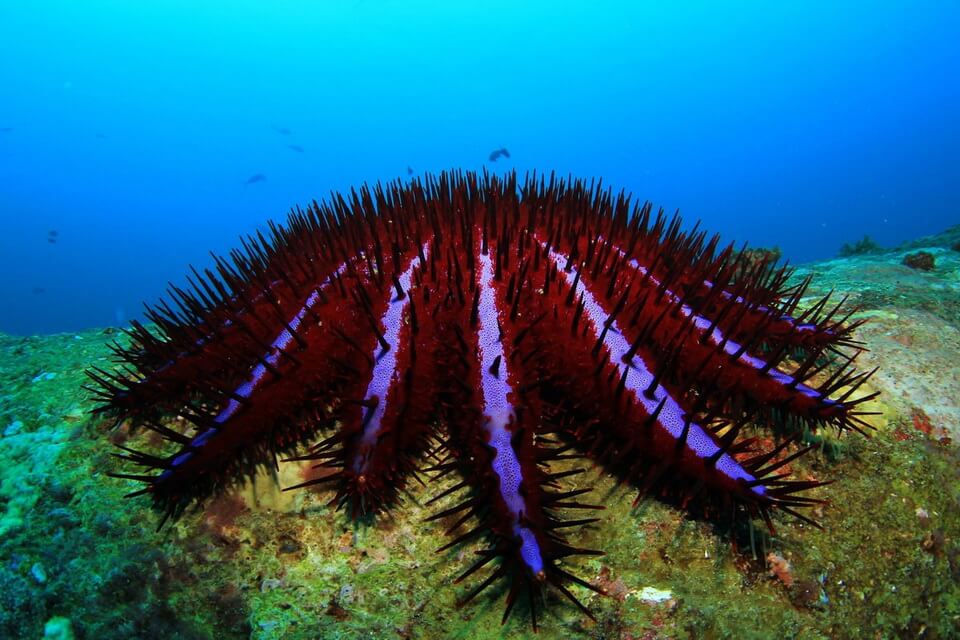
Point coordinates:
[(132, 129), (136, 138)]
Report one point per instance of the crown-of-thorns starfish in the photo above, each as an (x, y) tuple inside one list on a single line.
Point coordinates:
[(492, 328)]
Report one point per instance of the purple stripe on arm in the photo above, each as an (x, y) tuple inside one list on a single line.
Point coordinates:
[(672, 416), (803, 328), (257, 374), (731, 347), (498, 414), (385, 367)]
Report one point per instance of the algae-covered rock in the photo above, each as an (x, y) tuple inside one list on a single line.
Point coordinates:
[(922, 260)]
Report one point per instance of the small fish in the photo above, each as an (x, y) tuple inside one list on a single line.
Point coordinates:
[(282, 130), (52, 240), (497, 153), (255, 178), (101, 136), (38, 290), (409, 171), (53, 233), (295, 147), (6, 129)]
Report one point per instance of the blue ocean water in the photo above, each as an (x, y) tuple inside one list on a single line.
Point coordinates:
[(136, 137)]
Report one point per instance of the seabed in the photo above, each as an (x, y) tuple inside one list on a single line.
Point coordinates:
[(77, 560)]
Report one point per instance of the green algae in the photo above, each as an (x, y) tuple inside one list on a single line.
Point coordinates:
[(885, 564)]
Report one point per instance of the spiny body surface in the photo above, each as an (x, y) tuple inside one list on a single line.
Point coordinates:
[(472, 325)]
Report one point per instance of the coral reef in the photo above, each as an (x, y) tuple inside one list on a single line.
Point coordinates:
[(947, 239), (756, 258), (864, 246)]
